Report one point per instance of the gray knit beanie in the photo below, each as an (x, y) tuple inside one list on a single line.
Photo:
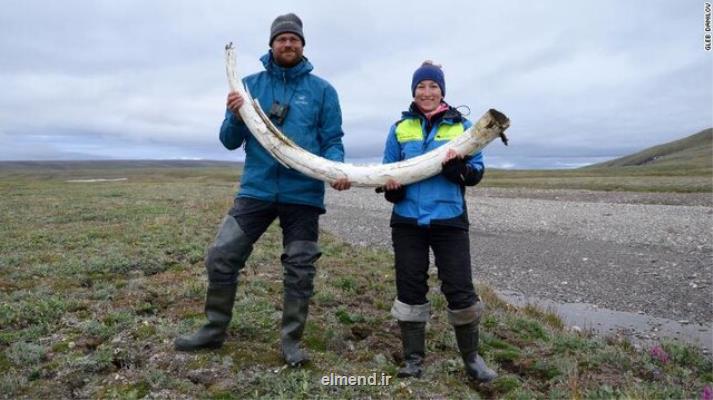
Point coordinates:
[(288, 23)]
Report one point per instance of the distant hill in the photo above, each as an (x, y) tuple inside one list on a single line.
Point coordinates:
[(113, 164), (693, 152)]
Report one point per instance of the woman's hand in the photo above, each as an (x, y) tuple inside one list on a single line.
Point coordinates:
[(392, 185), (394, 192), (451, 154)]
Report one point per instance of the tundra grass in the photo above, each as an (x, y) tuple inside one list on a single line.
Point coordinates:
[(97, 279), (630, 179)]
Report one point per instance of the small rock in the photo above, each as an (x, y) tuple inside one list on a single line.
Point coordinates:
[(227, 361), (360, 332), (380, 359), (224, 385), (202, 376)]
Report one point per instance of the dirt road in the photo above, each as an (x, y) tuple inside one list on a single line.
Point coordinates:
[(649, 254)]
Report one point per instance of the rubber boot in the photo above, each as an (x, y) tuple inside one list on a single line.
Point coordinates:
[(294, 318), (413, 338), (218, 309), (467, 338)]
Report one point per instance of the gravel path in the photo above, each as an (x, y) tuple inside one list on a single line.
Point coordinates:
[(641, 253)]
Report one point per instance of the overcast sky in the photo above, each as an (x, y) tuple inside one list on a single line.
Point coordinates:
[(582, 81)]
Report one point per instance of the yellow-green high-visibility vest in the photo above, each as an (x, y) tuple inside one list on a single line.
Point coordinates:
[(410, 130)]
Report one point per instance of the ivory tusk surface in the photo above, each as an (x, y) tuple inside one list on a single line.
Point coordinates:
[(490, 126)]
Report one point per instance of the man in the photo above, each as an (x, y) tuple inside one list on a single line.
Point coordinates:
[(306, 108)]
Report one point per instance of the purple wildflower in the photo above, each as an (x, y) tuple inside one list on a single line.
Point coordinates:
[(659, 354), (707, 393)]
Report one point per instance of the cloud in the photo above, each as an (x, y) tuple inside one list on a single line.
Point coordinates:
[(133, 79)]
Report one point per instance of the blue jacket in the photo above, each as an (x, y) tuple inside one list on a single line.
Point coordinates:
[(314, 122), (439, 199)]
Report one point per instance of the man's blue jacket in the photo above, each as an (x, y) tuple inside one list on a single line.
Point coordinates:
[(313, 121)]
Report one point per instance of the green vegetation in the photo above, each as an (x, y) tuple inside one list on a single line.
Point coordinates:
[(627, 179), (98, 278), (683, 166)]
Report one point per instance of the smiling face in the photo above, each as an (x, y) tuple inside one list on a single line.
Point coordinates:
[(287, 49), (428, 95)]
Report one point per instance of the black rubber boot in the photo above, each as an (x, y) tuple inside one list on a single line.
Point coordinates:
[(294, 318), (413, 338), (219, 309), (467, 338)]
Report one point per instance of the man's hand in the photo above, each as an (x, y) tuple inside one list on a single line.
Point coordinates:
[(234, 102), (341, 184)]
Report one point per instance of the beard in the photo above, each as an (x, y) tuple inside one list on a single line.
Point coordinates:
[(288, 58)]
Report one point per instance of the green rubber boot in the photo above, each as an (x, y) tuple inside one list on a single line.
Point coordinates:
[(413, 338), (294, 319), (467, 338), (219, 309)]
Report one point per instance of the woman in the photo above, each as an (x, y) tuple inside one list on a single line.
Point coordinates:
[(432, 214)]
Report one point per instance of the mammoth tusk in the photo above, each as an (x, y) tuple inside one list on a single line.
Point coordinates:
[(491, 125)]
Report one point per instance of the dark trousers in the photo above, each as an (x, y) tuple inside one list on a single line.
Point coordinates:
[(300, 232), (451, 248), (298, 222)]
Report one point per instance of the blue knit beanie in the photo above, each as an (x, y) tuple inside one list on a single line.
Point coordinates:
[(428, 71)]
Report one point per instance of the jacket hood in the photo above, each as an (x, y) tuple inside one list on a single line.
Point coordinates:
[(302, 68)]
